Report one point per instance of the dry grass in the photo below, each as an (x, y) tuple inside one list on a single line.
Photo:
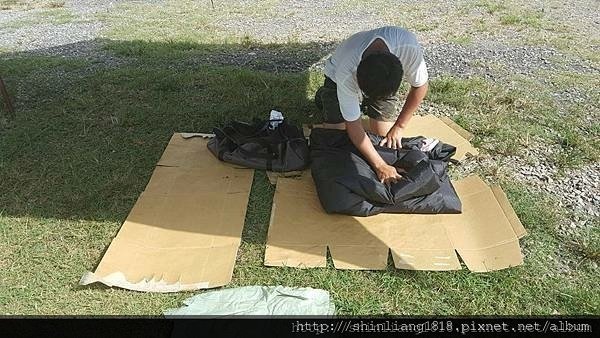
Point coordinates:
[(29, 4)]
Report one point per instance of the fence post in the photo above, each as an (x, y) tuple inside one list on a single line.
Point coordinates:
[(7, 101)]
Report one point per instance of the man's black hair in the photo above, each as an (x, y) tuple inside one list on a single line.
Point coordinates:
[(379, 75)]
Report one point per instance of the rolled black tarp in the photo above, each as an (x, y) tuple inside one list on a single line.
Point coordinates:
[(347, 184)]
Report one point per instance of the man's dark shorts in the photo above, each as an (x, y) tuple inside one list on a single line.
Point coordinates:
[(326, 99)]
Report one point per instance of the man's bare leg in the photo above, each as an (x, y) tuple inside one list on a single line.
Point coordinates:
[(379, 127)]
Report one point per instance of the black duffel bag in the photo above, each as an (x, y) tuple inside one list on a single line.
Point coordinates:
[(255, 145)]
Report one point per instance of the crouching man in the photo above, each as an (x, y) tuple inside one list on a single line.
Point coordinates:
[(363, 75)]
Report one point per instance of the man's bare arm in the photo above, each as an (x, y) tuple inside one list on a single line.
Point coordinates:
[(385, 172), (413, 99)]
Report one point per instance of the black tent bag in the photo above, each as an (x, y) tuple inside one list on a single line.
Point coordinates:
[(347, 184), (255, 145)]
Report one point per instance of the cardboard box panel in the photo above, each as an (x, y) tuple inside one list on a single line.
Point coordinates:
[(184, 230), (482, 235), (296, 256), (431, 126), (176, 220), (420, 242), (463, 133), (422, 259), (132, 261), (188, 153), (300, 230), (190, 181), (509, 212), (359, 257)]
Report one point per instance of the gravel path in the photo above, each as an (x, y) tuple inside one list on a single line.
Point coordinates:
[(323, 23), (42, 36), (575, 190), (480, 59), (27, 30)]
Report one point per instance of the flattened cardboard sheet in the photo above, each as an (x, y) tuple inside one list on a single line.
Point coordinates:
[(184, 231), (274, 175), (509, 212), (483, 235), (444, 130)]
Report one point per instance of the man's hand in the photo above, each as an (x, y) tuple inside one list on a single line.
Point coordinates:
[(387, 174), (413, 100), (393, 138)]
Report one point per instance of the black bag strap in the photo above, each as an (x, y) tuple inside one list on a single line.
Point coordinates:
[(235, 131)]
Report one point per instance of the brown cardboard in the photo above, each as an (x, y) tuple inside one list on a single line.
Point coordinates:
[(463, 133), (509, 212), (442, 128), (431, 126), (184, 231), (300, 233), (482, 234), (274, 175)]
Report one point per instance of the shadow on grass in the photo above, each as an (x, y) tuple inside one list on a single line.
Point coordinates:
[(89, 133), (90, 129)]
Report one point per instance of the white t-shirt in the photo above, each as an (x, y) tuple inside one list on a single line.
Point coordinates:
[(341, 65)]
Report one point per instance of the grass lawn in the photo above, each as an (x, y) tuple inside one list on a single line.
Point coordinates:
[(87, 137)]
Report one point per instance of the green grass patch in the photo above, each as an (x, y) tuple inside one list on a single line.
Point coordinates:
[(540, 214), (525, 23), (512, 13), (491, 7), (186, 50), (527, 19), (577, 129), (424, 26), (23, 66), (9, 4), (464, 39), (506, 119), (56, 15), (91, 125), (586, 244), (576, 148)]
